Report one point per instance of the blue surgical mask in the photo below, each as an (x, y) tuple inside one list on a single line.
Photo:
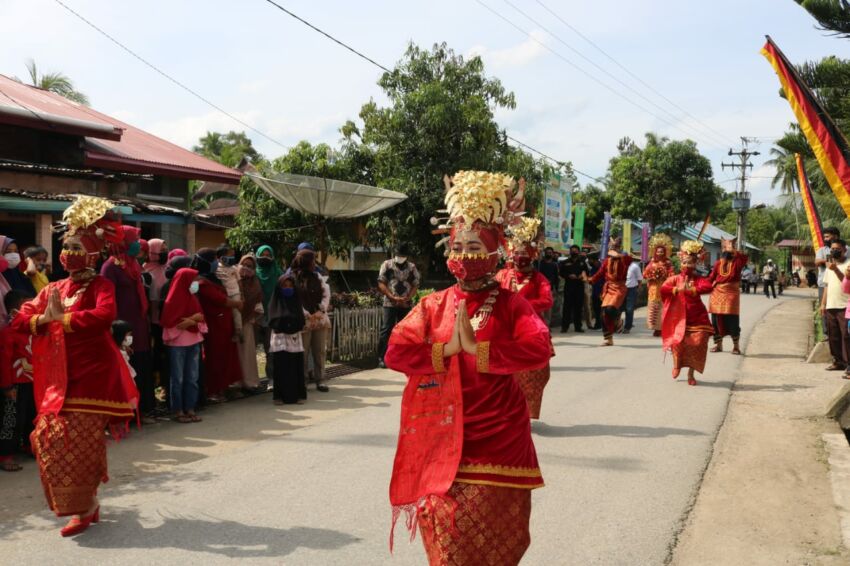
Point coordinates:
[(287, 292), (193, 287), (133, 249)]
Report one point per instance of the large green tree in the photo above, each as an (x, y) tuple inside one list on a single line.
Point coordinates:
[(439, 120), (832, 15), (55, 82), (663, 182), (228, 149)]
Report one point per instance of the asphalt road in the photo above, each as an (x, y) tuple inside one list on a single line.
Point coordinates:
[(622, 448)]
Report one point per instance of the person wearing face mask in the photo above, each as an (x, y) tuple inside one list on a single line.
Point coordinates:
[(520, 277), (657, 270), (252, 311), (287, 321), (634, 278), (613, 271), (122, 334), (37, 267), (686, 328), (17, 405), (465, 446), (833, 306), (769, 274), (398, 281), (183, 330), (13, 274), (81, 383), (574, 272), (268, 272), (228, 276), (123, 270), (548, 267), (153, 271), (724, 304), (822, 256), (221, 355)]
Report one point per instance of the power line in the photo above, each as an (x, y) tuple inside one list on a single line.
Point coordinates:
[(710, 137), (624, 68), (329, 36), (370, 60), (166, 75), (584, 72)]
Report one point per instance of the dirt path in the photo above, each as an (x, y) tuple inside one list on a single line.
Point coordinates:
[(766, 496)]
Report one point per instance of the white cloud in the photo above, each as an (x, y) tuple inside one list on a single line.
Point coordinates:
[(187, 130), (516, 56)]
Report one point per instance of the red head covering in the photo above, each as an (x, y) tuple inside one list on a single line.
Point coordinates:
[(144, 245), (180, 303), (129, 264), (175, 253)]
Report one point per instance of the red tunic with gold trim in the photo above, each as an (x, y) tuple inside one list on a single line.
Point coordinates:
[(464, 419), (614, 271), (531, 286), (655, 274), (686, 327), (93, 363), (726, 277), (534, 288)]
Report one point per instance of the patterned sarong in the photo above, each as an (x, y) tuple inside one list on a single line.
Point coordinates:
[(490, 526), (653, 314), (71, 453), (532, 384), (725, 298), (692, 350)]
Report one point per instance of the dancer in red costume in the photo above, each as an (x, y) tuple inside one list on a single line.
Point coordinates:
[(82, 385), (656, 273), (686, 328), (520, 277), (613, 271), (724, 304), (465, 462)]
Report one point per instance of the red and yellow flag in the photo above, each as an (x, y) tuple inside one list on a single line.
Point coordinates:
[(828, 143), (809, 204)]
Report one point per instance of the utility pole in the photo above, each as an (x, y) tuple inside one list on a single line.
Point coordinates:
[(741, 198)]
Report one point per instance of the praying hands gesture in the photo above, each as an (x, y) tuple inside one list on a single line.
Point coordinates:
[(463, 336), (55, 309)]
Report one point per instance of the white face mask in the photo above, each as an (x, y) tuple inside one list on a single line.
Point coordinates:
[(128, 341), (400, 259), (193, 287), (14, 259)]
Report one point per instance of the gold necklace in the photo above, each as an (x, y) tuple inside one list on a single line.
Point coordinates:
[(482, 315), (70, 301)]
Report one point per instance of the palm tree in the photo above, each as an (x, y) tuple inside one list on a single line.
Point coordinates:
[(56, 82), (785, 164)]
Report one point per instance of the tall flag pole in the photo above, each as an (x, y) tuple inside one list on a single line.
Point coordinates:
[(706, 221), (828, 143), (812, 215), (606, 235)]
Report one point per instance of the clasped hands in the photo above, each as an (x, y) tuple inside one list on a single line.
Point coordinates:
[(190, 321), (463, 336), (55, 309)]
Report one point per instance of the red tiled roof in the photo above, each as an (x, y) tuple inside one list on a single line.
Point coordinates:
[(109, 143)]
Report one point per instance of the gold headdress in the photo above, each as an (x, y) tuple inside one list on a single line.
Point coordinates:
[(691, 248), (524, 232), (480, 198), (91, 219), (661, 241)]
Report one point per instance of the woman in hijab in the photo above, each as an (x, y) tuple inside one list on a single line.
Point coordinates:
[(176, 252), (286, 321), (268, 272), (221, 356), (182, 330), (16, 278), (315, 296), (154, 271), (123, 270), (252, 307)]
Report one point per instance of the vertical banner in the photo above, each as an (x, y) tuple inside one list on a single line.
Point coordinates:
[(627, 236), (644, 242), (578, 226), (557, 220), (606, 235), (809, 205)]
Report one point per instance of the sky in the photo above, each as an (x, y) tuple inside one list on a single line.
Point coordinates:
[(700, 59)]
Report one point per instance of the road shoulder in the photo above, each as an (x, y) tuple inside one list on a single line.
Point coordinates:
[(766, 496)]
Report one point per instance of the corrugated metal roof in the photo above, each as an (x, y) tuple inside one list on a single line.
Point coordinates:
[(131, 150)]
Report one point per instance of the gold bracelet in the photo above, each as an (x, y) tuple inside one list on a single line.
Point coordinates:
[(482, 357), (438, 359)]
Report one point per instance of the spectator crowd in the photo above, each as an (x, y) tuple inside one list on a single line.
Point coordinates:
[(190, 327)]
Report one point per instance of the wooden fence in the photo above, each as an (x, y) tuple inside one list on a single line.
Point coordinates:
[(355, 334)]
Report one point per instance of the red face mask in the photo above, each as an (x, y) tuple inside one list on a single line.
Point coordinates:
[(471, 267), (521, 261), (76, 260)]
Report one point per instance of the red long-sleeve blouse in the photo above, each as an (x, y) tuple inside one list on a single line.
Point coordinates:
[(531, 286)]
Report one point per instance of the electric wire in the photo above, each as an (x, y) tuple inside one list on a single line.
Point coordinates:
[(167, 76)]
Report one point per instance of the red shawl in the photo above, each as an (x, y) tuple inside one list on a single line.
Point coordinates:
[(682, 309), (464, 418), (180, 303)]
